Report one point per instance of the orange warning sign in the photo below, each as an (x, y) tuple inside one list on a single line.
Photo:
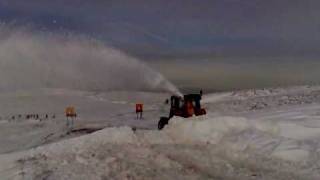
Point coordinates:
[(70, 111)]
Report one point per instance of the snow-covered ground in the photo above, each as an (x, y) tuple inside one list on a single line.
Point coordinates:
[(252, 134)]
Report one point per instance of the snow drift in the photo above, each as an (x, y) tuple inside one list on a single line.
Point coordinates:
[(33, 59), (207, 148)]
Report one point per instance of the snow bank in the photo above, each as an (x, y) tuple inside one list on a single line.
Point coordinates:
[(236, 133), (287, 141), (213, 129), (196, 148)]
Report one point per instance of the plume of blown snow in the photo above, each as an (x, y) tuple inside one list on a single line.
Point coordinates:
[(33, 59)]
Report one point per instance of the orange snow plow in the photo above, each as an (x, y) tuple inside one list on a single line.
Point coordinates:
[(185, 107)]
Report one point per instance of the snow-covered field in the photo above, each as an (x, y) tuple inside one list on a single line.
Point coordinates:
[(252, 134)]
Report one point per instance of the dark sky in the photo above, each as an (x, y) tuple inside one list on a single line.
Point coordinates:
[(154, 28)]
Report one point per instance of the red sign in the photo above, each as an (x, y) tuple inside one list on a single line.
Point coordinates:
[(139, 107)]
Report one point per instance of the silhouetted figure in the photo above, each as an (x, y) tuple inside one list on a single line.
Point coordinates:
[(46, 116)]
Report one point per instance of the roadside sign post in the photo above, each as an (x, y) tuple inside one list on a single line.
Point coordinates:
[(139, 110), (71, 115)]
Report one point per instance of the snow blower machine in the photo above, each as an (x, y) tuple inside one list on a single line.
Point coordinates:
[(185, 106)]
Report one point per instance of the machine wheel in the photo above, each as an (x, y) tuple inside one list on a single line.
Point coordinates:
[(163, 121)]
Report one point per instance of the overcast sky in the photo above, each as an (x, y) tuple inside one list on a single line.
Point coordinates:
[(181, 27)]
